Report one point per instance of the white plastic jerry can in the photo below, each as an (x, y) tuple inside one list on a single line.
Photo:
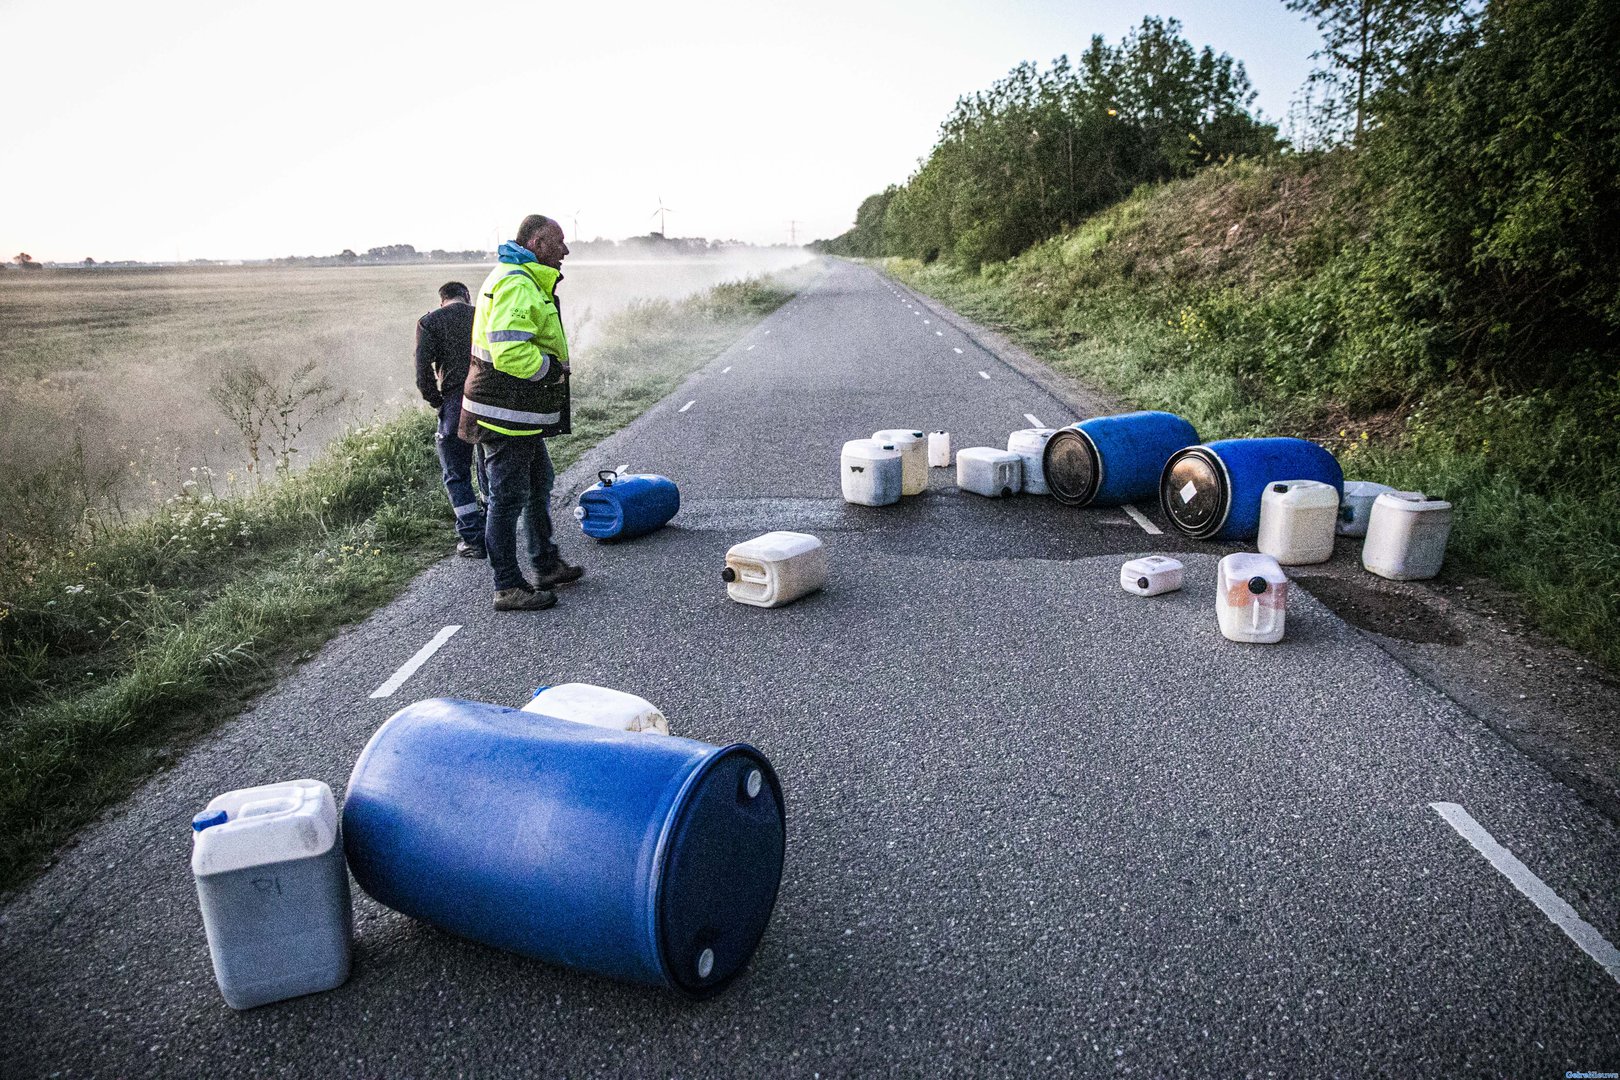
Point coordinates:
[(775, 569), (1356, 506), (1151, 575), (1030, 444), (1251, 597), (939, 449), (913, 457), (1298, 521), (274, 892), (984, 470), (1406, 536), (598, 706), (870, 472)]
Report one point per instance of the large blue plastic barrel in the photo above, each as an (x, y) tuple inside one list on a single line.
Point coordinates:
[(625, 507), (1213, 491), (649, 858), (1112, 460)]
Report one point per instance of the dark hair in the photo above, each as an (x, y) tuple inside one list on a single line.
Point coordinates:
[(531, 225), (454, 290)]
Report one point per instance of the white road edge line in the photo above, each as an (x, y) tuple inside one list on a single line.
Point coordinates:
[(1142, 520), (1034, 421), (984, 374), (688, 405), (1552, 905), (408, 668)]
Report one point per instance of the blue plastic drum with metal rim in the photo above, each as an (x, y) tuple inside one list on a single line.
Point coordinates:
[(625, 507), (647, 858), (1213, 491), (1113, 460)]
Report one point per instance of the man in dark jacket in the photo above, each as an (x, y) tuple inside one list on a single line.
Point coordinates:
[(443, 351)]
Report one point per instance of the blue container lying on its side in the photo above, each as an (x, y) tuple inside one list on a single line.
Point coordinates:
[(649, 858), (1213, 491), (625, 507), (1112, 460)]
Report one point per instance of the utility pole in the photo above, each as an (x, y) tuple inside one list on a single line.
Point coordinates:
[(793, 233)]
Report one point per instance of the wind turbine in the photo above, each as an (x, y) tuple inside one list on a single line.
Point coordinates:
[(659, 214), (576, 223)]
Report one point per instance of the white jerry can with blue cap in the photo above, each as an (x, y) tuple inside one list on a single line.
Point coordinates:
[(274, 891), (598, 706)]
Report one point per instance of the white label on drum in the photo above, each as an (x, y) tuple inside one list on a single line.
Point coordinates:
[(1188, 491)]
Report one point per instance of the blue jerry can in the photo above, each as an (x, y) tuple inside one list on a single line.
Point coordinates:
[(625, 507), (1112, 460), (1213, 491), (653, 860)]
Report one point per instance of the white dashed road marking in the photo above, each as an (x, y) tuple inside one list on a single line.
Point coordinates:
[(749, 349), (408, 668), (1552, 905), (688, 405), (1034, 421), (954, 347), (984, 374), (725, 369), (1142, 520)]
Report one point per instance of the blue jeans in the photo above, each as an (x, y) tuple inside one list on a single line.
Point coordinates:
[(456, 461), (520, 479)]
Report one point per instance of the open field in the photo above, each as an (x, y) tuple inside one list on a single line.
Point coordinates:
[(121, 361), (121, 643)]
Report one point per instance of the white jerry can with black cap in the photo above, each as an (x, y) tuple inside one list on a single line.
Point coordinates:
[(1151, 575), (598, 706), (913, 457), (1298, 520), (1406, 536), (939, 449), (870, 472), (1251, 597), (775, 569), (986, 471), (1030, 444)]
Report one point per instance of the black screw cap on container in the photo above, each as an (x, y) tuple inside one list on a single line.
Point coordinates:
[(728, 575), (1281, 489), (1141, 583), (1257, 585)]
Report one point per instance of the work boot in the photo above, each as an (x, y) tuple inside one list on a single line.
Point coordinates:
[(557, 573), (471, 551), (524, 599)]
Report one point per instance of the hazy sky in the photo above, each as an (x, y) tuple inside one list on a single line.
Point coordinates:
[(225, 129)]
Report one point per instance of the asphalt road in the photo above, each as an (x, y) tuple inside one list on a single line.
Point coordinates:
[(1035, 825)]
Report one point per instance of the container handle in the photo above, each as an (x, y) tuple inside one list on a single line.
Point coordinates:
[(607, 476)]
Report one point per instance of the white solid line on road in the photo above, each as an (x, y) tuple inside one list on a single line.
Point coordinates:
[(408, 668), (954, 347), (725, 369), (1142, 520), (1034, 421), (1552, 905), (984, 374), (688, 405)]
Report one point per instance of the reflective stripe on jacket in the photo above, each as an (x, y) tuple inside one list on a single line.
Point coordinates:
[(518, 383)]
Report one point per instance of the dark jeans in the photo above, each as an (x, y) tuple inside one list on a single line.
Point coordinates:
[(456, 461), (520, 478)]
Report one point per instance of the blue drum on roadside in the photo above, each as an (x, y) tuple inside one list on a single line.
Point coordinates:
[(1112, 460), (625, 507), (1213, 491), (648, 858)]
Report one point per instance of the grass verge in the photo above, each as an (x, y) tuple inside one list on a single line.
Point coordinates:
[(119, 646), (1220, 298)]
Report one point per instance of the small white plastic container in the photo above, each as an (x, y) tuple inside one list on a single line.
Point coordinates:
[(775, 569), (1406, 536), (870, 472), (274, 892), (913, 457), (1251, 597), (1030, 444), (939, 449), (1356, 506), (1298, 521), (598, 706), (1151, 575), (984, 470)]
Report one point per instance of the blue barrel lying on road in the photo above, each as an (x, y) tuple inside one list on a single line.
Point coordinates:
[(625, 507), (1112, 460), (648, 858), (1213, 491)]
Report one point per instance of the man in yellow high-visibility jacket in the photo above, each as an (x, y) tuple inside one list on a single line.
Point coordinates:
[(515, 396)]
